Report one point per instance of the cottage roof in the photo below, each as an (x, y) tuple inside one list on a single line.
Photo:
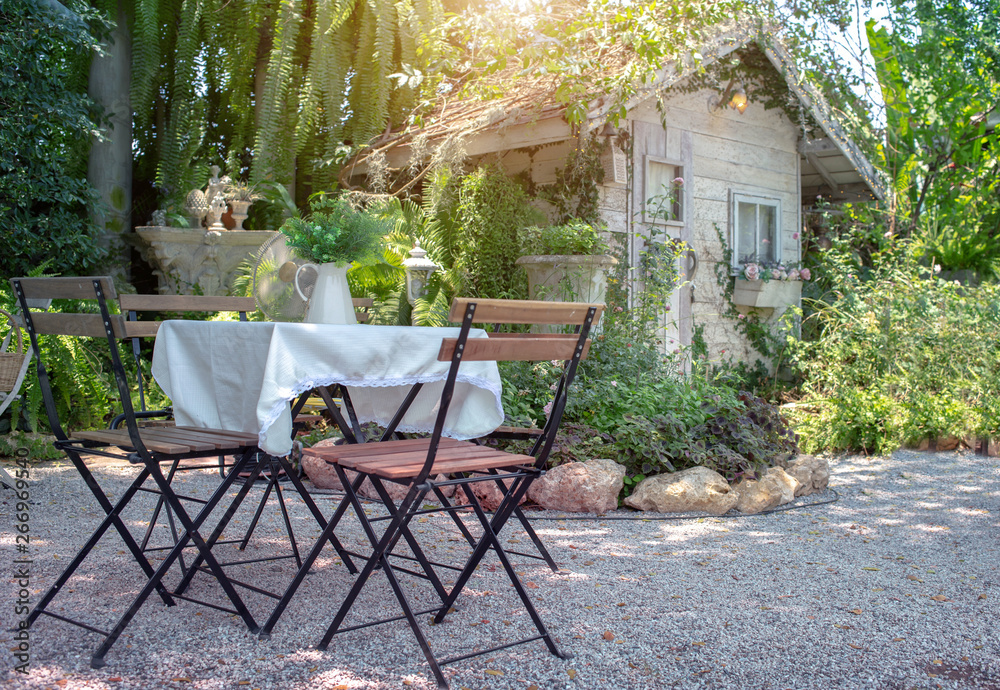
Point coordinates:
[(528, 114)]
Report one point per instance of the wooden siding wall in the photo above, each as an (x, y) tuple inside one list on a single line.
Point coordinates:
[(723, 153), (753, 153)]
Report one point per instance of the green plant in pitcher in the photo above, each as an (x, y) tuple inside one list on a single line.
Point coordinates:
[(335, 232)]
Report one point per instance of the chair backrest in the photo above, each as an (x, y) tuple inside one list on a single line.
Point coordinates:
[(82, 323), (362, 308), (533, 312), (132, 305), (569, 348)]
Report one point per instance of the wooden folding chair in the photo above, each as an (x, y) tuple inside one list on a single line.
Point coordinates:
[(136, 330), (148, 448), (419, 464)]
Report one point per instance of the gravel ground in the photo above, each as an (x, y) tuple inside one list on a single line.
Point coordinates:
[(894, 584)]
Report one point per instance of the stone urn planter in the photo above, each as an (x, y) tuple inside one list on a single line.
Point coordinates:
[(566, 278), (768, 294), (239, 212)]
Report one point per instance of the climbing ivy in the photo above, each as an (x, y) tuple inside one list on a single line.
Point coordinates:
[(758, 332), (492, 208), (575, 191)]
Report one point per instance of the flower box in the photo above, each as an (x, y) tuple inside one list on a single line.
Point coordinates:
[(767, 294)]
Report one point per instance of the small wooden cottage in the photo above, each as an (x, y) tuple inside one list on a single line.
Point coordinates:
[(735, 165)]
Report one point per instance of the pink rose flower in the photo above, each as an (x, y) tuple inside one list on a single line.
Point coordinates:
[(805, 274), (751, 271), (794, 274), (795, 235)]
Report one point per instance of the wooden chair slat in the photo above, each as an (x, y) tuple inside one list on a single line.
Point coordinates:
[(84, 325), (525, 349), (141, 329), (524, 311), (216, 439), (515, 432), (168, 435), (81, 287), (497, 460), (363, 302), (385, 448), (120, 438), (198, 303), (245, 437), (411, 457)]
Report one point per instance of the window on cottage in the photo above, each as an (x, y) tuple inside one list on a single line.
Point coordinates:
[(664, 192), (756, 231)]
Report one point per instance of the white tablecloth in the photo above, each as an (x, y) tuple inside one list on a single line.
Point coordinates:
[(241, 376)]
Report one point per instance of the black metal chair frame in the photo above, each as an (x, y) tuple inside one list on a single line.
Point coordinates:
[(133, 449), (271, 473), (520, 474)]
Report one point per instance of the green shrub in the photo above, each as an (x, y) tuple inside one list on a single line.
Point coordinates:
[(896, 355), (575, 237), (335, 232), (46, 126), (492, 209)]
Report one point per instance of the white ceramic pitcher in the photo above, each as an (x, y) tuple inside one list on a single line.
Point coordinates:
[(330, 301)]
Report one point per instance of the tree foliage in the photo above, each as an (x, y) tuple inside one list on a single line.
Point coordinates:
[(938, 67), (274, 88), (46, 122)]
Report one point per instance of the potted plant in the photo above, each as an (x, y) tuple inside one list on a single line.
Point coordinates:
[(331, 237), (240, 196), (769, 284), (565, 262)]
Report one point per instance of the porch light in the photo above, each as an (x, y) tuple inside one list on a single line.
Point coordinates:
[(733, 96), (739, 100), (418, 272)]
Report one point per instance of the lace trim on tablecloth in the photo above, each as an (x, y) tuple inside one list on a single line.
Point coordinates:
[(301, 387)]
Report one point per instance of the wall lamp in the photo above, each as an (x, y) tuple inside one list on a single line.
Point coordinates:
[(734, 96)]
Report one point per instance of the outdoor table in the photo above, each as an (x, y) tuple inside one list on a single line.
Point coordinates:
[(241, 376)]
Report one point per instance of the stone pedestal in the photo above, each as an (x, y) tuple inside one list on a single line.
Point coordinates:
[(557, 278), (190, 260)]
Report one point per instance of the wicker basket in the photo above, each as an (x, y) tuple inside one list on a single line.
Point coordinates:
[(10, 362)]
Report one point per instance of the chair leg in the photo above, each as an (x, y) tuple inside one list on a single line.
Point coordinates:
[(448, 508), (223, 522), (170, 519), (380, 558), (257, 513), (500, 517), (316, 512), (404, 531), (490, 536), (380, 546), (113, 518), (288, 524), (190, 533), (543, 553), (326, 535)]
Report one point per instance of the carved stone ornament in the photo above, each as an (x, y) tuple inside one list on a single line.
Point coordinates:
[(186, 260)]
